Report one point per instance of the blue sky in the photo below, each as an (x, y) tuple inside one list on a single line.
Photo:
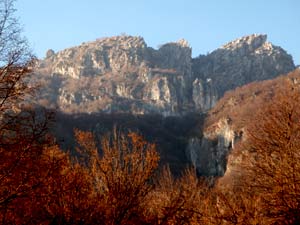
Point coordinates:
[(205, 24)]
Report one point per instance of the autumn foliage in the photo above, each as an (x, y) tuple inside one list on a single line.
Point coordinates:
[(272, 158), (263, 184), (116, 179)]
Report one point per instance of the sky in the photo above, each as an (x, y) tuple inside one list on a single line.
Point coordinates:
[(205, 24)]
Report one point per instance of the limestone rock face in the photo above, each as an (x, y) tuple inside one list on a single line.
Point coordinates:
[(217, 152), (122, 74), (208, 154), (204, 94), (176, 55), (247, 59), (114, 54)]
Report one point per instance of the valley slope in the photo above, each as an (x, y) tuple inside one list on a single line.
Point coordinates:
[(120, 81)]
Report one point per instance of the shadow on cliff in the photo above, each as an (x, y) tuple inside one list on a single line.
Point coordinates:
[(170, 134)]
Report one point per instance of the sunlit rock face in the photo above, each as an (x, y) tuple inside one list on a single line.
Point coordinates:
[(220, 149), (204, 94), (209, 153), (247, 59), (122, 74)]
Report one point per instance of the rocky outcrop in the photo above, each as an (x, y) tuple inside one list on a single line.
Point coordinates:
[(123, 74), (247, 59), (209, 153), (204, 94), (115, 54), (228, 123)]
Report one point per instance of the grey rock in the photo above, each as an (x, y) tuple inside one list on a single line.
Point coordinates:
[(123, 74), (208, 154), (247, 59)]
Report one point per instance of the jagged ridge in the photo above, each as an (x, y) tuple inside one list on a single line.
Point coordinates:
[(123, 74)]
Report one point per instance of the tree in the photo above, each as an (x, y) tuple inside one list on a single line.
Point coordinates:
[(269, 174), (15, 59), (121, 174), (275, 157), (23, 139), (178, 200)]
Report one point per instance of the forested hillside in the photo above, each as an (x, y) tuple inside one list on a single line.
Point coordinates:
[(119, 168)]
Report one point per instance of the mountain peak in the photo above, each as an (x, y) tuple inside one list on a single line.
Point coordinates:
[(183, 43), (121, 40), (254, 41), (122, 74)]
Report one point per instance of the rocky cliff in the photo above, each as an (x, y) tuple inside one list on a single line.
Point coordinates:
[(247, 59), (227, 124), (123, 74), (208, 154), (119, 74)]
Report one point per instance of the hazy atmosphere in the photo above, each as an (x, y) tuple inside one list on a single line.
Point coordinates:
[(206, 25)]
